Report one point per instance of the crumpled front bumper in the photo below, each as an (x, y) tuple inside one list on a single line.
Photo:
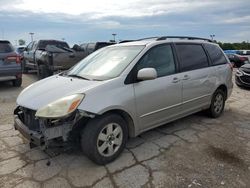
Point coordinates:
[(35, 138)]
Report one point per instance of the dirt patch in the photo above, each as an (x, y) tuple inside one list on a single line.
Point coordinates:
[(227, 157)]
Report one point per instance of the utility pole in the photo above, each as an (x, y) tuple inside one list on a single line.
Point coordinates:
[(31, 36), (114, 34)]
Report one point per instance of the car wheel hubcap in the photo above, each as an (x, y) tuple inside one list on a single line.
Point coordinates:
[(109, 139), (218, 103)]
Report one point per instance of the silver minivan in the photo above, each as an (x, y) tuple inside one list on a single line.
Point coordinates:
[(123, 90)]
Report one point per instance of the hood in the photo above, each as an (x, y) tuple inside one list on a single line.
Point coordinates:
[(245, 68), (53, 88)]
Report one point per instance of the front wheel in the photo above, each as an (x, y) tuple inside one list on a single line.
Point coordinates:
[(104, 138), (43, 71), (217, 104)]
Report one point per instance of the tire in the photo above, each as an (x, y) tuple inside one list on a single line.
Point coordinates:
[(24, 68), (43, 71), (99, 138), (17, 82), (217, 104)]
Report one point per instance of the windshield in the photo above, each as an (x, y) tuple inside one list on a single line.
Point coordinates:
[(106, 63)]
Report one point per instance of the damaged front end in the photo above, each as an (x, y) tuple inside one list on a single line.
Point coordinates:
[(43, 131)]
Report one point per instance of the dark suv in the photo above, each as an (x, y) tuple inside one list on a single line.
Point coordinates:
[(10, 66)]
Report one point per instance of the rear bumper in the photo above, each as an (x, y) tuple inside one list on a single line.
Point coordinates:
[(10, 74), (33, 137)]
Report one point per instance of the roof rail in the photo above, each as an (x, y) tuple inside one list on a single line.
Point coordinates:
[(183, 37), (133, 40), (148, 38), (123, 41)]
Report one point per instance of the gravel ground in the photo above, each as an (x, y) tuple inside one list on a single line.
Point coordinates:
[(195, 151)]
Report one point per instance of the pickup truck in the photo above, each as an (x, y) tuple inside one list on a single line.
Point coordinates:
[(49, 56), (93, 46)]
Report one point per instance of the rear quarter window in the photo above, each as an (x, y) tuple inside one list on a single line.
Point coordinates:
[(6, 47), (42, 44), (191, 57), (215, 54)]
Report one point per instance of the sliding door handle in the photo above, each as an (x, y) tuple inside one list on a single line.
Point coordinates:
[(186, 77)]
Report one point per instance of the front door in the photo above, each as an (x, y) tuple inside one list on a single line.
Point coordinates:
[(160, 99)]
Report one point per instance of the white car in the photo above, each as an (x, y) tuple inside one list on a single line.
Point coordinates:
[(123, 90)]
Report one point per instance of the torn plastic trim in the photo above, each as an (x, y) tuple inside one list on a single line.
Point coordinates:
[(84, 113)]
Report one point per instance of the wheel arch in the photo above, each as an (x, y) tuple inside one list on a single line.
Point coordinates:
[(126, 116), (223, 87)]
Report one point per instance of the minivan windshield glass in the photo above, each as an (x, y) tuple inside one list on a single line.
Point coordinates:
[(106, 63)]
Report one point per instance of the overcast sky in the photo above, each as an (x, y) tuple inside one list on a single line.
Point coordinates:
[(79, 21)]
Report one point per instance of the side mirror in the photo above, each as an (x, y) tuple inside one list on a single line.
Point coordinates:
[(147, 74)]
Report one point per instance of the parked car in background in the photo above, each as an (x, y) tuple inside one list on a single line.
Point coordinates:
[(123, 90), (48, 56), (242, 76), (10, 64), (20, 49), (237, 60), (245, 53), (93, 46)]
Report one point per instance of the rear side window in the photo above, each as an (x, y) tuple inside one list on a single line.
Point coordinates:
[(191, 57), (160, 58), (101, 45), (43, 43), (6, 47), (216, 55)]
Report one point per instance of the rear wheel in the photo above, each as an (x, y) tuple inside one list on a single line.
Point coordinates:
[(217, 103), (104, 138), (17, 82)]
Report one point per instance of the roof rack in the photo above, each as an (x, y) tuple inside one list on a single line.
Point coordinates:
[(168, 37), (183, 37), (133, 40), (148, 38)]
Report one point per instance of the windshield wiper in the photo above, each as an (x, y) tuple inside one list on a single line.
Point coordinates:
[(77, 76)]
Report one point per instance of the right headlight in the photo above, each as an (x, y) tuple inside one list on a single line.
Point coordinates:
[(61, 107)]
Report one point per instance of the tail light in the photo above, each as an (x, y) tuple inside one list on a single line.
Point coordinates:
[(16, 58), (243, 58)]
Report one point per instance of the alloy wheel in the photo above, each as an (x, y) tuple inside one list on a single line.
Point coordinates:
[(109, 139)]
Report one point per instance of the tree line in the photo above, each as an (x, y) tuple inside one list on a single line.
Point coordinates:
[(235, 46)]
